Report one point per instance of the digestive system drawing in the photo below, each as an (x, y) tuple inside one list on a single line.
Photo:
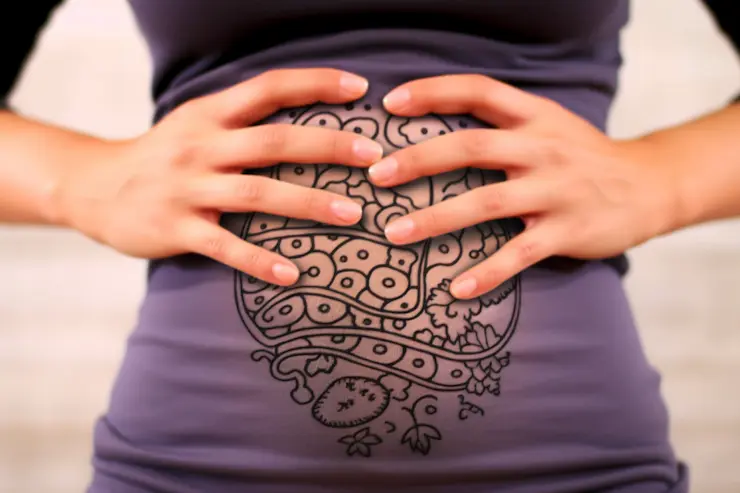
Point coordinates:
[(371, 326)]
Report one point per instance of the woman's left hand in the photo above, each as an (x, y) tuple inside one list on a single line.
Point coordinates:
[(579, 193)]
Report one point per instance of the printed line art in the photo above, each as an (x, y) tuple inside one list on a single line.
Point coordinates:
[(370, 339)]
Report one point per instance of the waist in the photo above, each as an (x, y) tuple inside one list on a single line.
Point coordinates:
[(570, 391), (580, 76), (370, 331), (369, 358)]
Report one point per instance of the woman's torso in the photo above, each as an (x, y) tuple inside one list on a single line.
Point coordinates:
[(367, 375)]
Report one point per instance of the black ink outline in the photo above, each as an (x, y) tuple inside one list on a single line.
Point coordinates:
[(319, 324), (360, 442), (419, 435), (326, 405), (467, 408)]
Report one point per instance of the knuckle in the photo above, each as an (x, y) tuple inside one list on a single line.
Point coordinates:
[(340, 142), (269, 77), (431, 221), (184, 153), (476, 81), (272, 139), (490, 96), (309, 200), (553, 153), (264, 86), (528, 252), (249, 190), (163, 222), (480, 82), (175, 191), (475, 144), (251, 259), (407, 164), (279, 81), (548, 105), (214, 245), (493, 198), (189, 108)]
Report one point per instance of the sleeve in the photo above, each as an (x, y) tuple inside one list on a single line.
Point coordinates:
[(726, 13), (18, 39)]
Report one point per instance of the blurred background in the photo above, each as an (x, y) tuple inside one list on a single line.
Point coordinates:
[(67, 304)]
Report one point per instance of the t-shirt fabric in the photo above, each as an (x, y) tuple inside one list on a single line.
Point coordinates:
[(367, 375)]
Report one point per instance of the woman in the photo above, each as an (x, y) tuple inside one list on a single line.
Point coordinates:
[(345, 294)]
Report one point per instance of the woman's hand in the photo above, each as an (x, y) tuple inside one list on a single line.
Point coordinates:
[(162, 194), (579, 193)]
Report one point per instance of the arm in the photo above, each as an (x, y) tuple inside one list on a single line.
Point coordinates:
[(33, 159), (579, 193), (162, 194), (701, 159), (703, 156), (26, 168)]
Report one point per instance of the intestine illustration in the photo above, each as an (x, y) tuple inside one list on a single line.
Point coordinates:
[(369, 324)]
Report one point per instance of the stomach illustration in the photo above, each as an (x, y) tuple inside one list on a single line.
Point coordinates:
[(362, 302)]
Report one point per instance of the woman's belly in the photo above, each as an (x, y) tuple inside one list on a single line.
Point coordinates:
[(368, 365)]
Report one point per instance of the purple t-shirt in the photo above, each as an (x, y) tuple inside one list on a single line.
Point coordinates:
[(367, 375)]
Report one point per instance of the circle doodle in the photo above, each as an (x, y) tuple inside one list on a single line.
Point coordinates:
[(350, 401), (379, 311)]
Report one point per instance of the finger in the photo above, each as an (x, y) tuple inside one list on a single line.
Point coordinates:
[(264, 145), (488, 99), (497, 201), (477, 148), (519, 253), (213, 241), (245, 193), (261, 96)]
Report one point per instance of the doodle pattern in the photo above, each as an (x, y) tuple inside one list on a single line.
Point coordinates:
[(383, 310)]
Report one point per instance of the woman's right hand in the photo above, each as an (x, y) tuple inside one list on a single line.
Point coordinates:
[(163, 193)]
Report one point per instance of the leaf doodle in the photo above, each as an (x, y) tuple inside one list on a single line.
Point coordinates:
[(441, 294), (419, 438), (442, 309), (360, 442), (480, 337), (499, 293), (420, 435)]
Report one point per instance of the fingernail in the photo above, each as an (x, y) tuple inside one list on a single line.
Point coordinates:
[(384, 170), (285, 273), (397, 99), (399, 229), (353, 85), (346, 210), (462, 288), (367, 150)]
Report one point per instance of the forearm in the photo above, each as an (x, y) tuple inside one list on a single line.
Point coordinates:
[(34, 158), (701, 162)]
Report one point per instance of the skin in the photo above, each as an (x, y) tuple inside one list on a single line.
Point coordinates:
[(580, 193), (162, 194)]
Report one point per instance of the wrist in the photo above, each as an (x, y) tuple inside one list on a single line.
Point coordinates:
[(65, 196), (665, 205)]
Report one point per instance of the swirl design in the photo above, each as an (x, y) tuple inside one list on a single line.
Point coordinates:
[(366, 302)]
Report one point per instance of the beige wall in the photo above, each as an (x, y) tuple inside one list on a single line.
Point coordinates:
[(66, 304)]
